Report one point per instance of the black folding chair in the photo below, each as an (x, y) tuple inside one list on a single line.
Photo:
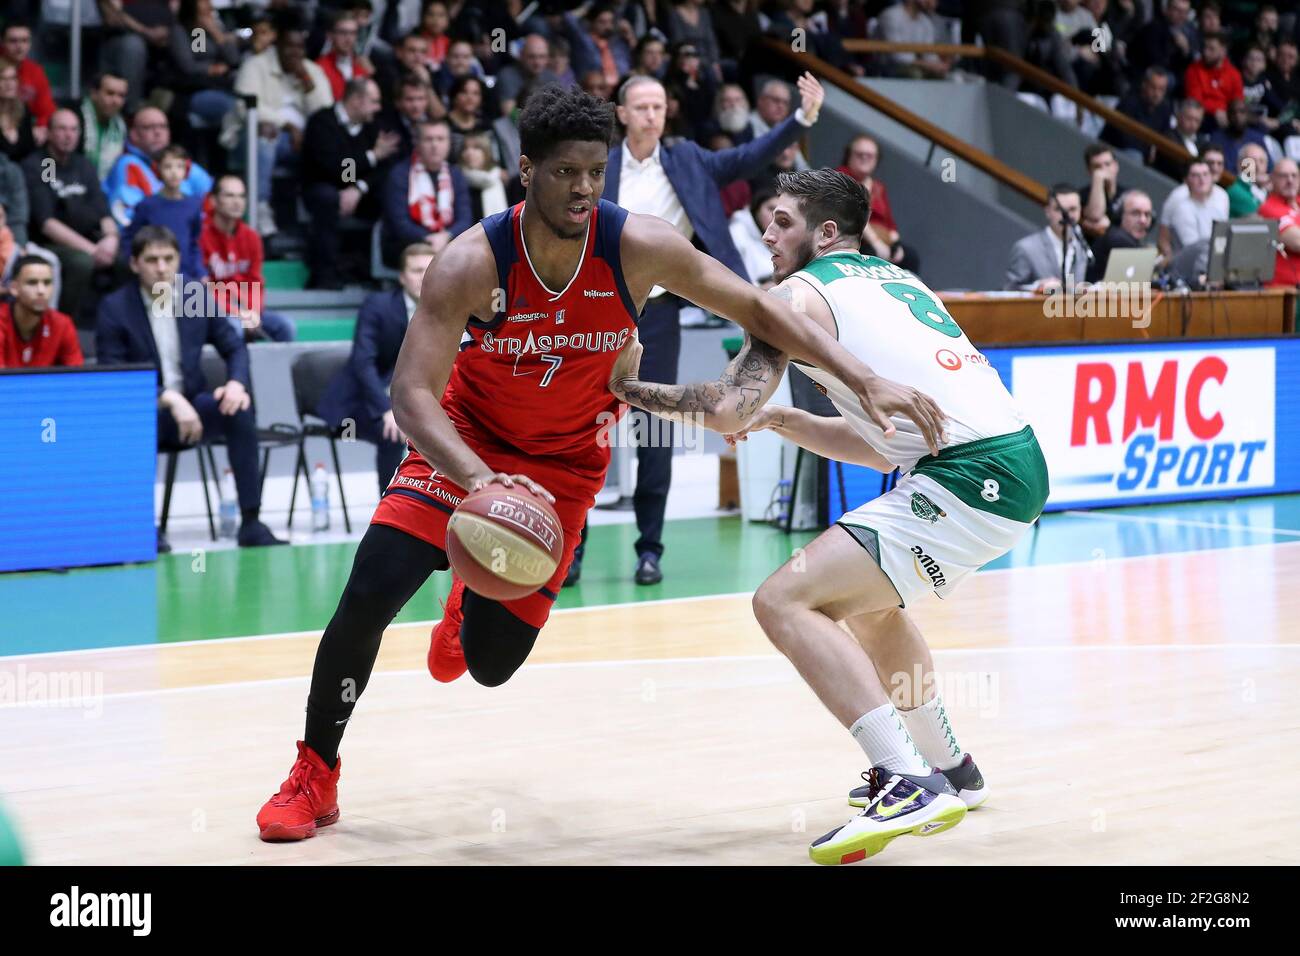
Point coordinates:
[(312, 372)]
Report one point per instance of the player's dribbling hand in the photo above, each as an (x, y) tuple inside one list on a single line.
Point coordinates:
[(881, 398), (627, 366), (509, 481), (769, 416)]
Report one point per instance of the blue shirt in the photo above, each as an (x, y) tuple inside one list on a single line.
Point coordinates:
[(184, 217)]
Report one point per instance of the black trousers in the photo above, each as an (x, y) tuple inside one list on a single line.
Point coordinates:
[(660, 332), (390, 566), (240, 432), (323, 243)]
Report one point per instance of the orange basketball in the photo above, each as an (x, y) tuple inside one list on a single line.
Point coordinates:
[(504, 543)]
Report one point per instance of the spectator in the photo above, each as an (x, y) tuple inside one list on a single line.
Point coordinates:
[(426, 198), (263, 38), (1079, 31), (737, 27), (794, 20), (412, 109), (1036, 260), (181, 215), (33, 85), (1101, 196), (1237, 133), (771, 110), (434, 23), (1284, 77), (34, 334), (1149, 105), (358, 393), (1189, 218), (408, 64), (679, 183), (17, 138), (137, 34), (15, 198), (747, 226), (485, 179), (912, 21), (342, 62), (11, 251), (1283, 206), (559, 63), (205, 71), (1188, 119), (1264, 34), (651, 58), (342, 149), (1257, 90), (1212, 80), (133, 176), (599, 45), (1046, 50), (232, 256), (1130, 232), (694, 87), (731, 114), (289, 88), (138, 323), (533, 67), (1167, 41), (70, 214), (465, 113), (461, 62), (594, 82), (688, 22), (881, 237), (1249, 190), (103, 130)]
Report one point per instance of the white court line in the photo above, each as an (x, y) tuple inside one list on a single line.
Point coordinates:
[(1143, 519), (643, 661), (1090, 563)]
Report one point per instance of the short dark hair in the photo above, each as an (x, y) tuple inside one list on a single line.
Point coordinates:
[(413, 35), (174, 151), (1062, 189), (556, 114), (459, 84), (216, 187), (1206, 38), (825, 194), (17, 23), (153, 235), (30, 260), (760, 196), (1094, 150), (358, 84), (97, 79)]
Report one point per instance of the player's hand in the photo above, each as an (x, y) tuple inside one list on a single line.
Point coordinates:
[(233, 397), (188, 423), (881, 398), (391, 431), (627, 366), (811, 95), (509, 481), (769, 416)]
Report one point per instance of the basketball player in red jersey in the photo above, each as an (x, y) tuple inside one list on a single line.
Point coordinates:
[(503, 378)]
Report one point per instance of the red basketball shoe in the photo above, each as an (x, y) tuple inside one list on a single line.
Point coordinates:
[(307, 800), (446, 657)]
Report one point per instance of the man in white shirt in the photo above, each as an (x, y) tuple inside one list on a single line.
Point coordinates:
[(912, 21), (1188, 216), (289, 88), (680, 185)]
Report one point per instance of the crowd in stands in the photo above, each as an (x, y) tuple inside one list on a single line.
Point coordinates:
[(384, 128)]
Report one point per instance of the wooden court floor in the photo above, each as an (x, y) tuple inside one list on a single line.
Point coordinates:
[(1117, 708)]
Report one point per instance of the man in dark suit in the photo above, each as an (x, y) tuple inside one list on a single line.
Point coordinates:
[(680, 184), (411, 109), (1130, 232), (341, 152), (426, 198), (358, 393), (140, 322)]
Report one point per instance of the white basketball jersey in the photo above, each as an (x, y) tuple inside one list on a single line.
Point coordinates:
[(890, 320)]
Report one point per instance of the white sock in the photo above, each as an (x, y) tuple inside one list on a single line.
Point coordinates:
[(885, 740), (932, 733)]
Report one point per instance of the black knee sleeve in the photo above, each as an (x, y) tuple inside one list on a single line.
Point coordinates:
[(496, 643)]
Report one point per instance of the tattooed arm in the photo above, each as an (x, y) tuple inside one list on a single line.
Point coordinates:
[(724, 405)]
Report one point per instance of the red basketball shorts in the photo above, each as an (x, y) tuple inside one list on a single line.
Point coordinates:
[(420, 500)]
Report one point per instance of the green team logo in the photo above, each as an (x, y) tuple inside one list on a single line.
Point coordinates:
[(926, 509)]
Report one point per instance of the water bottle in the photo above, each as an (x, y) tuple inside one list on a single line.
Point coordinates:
[(320, 498), (229, 506)]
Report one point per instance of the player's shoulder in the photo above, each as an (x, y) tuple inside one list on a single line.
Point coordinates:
[(643, 232)]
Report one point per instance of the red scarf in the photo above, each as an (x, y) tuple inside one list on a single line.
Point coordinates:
[(432, 207)]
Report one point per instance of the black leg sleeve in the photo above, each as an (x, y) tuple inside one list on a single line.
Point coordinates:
[(496, 643)]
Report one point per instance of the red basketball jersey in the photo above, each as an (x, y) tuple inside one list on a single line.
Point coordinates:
[(535, 377)]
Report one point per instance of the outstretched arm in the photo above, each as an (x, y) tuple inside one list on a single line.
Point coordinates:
[(724, 404), (830, 437), (657, 253)]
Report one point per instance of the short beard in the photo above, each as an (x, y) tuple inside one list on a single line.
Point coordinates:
[(733, 121), (559, 230), (803, 256)]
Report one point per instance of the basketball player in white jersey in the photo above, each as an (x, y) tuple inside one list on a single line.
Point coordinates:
[(950, 514)]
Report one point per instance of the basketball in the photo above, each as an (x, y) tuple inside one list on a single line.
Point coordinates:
[(505, 543)]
